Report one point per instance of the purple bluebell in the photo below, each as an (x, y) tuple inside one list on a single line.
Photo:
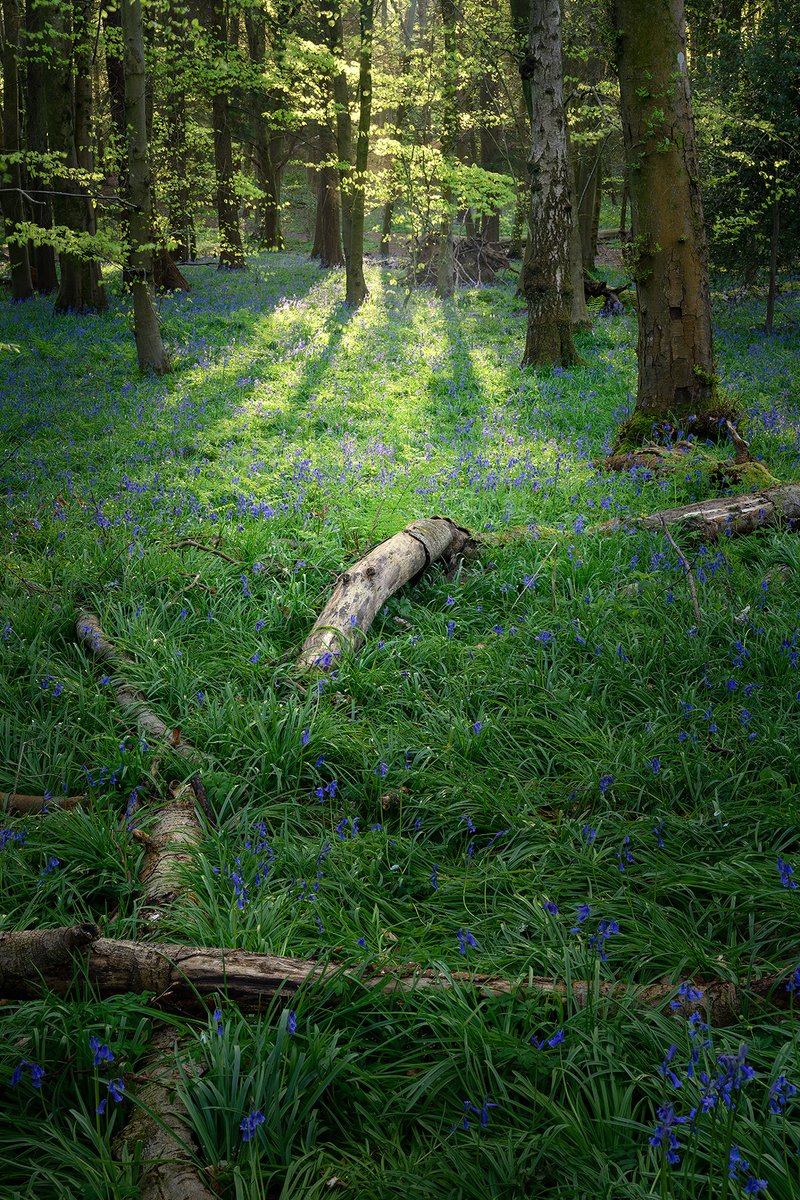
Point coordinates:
[(465, 940), (250, 1123)]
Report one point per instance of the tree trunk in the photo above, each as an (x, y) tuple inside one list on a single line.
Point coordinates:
[(42, 258), (149, 346), (773, 264), (231, 254), (328, 223), (547, 274), (356, 287), (21, 280), (579, 312), (588, 192), (81, 288), (445, 268), (668, 255)]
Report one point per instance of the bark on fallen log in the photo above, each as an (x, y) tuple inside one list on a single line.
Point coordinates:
[(180, 977), (94, 638), (171, 840), (21, 805), (728, 516), (158, 1132), (362, 590)]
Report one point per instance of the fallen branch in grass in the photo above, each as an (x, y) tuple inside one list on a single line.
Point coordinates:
[(172, 837), (21, 805), (94, 638), (364, 588), (685, 564), (190, 543), (180, 977)]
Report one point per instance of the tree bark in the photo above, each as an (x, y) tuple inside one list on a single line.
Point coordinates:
[(231, 254), (579, 312), (180, 977), (150, 352), (69, 115), (43, 257), (668, 253), (445, 267), (362, 590), (355, 285), (773, 266), (22, 805), (328, 221), (546, 274), (12, 208), (171, 839)]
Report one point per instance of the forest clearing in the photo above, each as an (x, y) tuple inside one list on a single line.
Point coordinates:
[(399, 631)]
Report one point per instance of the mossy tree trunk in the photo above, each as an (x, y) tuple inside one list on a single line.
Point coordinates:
[(149, 346), (546, 276), (668, 253)]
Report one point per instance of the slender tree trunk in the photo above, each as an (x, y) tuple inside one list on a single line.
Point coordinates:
[(587, 189), (328, 223), (42, 258), (353, 164), (231, 255), (445, 268), (668, 255), (21, 281), (579, 312), (149, 346), (490, 223), (81, 287), (547, 273), (773, 265)]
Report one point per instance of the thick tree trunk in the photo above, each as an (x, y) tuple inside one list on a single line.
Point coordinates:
[(330, 210), (588, 191), (33, 962), (21, 280), (363, 589), (150, 350), (547, 274), (668, 254), (267, 146)]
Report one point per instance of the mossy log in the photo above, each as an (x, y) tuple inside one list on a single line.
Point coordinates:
[(173, 836), (181, 977), (94, 638), (728, 516), (363, 589)]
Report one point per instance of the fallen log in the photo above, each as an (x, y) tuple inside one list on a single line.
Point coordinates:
[(728, 516), (158, 1132), (94, 638), (180, 977), (364, 588), (21, 805), (170, 842)]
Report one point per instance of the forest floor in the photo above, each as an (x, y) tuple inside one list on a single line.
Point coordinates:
[(538, 764)]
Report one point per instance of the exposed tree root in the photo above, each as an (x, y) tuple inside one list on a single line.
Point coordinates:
[(21, 805), (362, 590), (180, 977), (94, 638)]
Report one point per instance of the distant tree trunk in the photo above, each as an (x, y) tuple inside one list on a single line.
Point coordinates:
[(69, 113), (773, 264), (546, 272), (353, 168), (588, 194), (328, 223), (21, 281), (579, 311), (231, 255), (445, 269), (668, 255), (490, 223), (180, 219), (149, 346), (623, 214), (42, 258), (267, 146)]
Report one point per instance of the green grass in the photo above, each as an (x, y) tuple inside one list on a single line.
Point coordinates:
[(493, 720)]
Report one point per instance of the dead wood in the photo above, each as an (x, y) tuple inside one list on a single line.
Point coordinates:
[(190, 543), (654, 457), (167, 276), (180, 977), (363, 589), (132, 701), (728, 516), (173, 836), (474, 261), (687, 568), (21, 805), (158, 1129)]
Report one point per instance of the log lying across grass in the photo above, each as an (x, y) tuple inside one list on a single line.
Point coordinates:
[(180, 977), (728, 516), (174, 834), (364, 588), (22, 806), (92, 635)]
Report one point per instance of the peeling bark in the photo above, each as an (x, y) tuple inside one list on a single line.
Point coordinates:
[(181, 977), (362, 590), (726, 517)]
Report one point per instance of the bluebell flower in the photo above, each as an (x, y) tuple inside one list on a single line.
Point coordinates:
[(555, 1040), (101, 1053), (666, 1070), (435, 878), (786, 873), (465, 940), (737, 1167), (687, 994), (605, 930), (665, 1136), (291, 1021), (116, 1089), (605, 783), (793, 982), (304, 736), (250, 1123), (477, 727), (584, 911), (780, 1092), (37, 1073), (550, 907), (217, 1017), (588, 834)]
